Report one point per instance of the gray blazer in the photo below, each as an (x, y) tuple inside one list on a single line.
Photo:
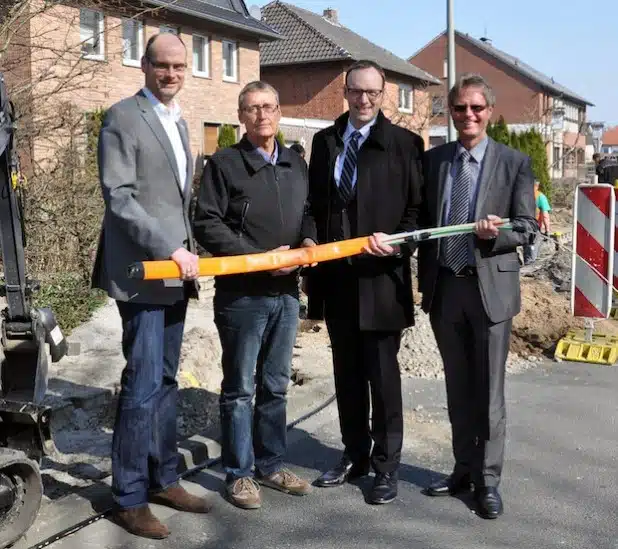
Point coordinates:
[(506, 189), (146, 211)]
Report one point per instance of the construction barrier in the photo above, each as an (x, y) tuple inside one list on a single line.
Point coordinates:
[(593, 245), (592, 276), (614, 311), (600, 349)]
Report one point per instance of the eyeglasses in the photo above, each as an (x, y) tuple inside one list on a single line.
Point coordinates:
[(476, 109), (268, 108), (166, 67), (358, 93)]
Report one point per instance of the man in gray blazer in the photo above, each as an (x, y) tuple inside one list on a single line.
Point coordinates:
[(470, 284), (145, 169)]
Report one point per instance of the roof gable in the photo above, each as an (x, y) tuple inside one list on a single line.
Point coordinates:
[(518, 65), (610, 137), (309, 37)]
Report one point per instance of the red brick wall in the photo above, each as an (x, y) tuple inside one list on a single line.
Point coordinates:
[(316, 91), (102, 83), (308, 91), (517, 98)]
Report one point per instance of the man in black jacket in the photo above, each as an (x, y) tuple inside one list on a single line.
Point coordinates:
[(252, 199), (365, 179)]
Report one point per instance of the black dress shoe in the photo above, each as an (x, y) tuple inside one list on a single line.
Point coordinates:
[(345, 471), (449, 486), (488, 502), (384, 488)]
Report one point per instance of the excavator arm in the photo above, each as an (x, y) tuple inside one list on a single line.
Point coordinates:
[(27, 335)]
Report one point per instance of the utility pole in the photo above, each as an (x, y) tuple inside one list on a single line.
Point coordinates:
[(450, 31)]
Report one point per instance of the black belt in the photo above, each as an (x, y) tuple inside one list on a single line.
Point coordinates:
[(466, 271)]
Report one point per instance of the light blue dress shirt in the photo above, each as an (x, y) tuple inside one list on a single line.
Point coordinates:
[(270, 159)]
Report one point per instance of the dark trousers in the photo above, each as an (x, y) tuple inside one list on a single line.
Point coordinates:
[(257, 336), (474, 351), (144, 450), (367, 377)]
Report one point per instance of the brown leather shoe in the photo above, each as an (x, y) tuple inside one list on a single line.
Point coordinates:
[(286, 481), (178, 498), (141, 522)]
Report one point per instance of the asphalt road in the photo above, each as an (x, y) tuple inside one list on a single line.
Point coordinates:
[(559, 484)]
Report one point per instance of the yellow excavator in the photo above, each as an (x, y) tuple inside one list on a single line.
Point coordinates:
[(27, 336)]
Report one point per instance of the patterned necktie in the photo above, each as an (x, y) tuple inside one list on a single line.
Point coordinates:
[(456, 247), (346, 181)]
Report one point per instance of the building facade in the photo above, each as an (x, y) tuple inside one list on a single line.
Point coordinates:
[(525, 98)]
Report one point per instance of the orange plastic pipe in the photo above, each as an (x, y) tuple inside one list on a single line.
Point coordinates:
[(266, 261)]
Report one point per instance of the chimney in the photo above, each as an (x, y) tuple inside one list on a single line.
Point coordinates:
[(330, 15), (486, 40)]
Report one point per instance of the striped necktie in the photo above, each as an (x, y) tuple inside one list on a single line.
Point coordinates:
[(346, 181), (456, 247)]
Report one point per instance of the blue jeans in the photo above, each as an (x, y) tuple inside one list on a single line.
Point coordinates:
[(144, 450), (257, 339)]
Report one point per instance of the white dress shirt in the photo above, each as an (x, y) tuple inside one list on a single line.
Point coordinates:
[(169, 117), (347, 135)]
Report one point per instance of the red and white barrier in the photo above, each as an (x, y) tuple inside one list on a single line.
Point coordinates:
[(615, 278), (593, 242)]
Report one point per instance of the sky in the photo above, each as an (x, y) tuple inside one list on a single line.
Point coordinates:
[(576, 43)]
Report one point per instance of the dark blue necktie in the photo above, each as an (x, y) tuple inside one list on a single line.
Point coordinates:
[(346, 181), (456, 247)]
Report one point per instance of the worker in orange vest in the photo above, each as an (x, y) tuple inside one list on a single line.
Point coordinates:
[(531, 251)]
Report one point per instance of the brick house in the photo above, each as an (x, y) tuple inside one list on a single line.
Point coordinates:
[(524, 97), (308, 69), (609, 141), (101, 48)]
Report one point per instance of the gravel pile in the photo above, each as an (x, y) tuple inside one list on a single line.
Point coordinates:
[(419, 355)]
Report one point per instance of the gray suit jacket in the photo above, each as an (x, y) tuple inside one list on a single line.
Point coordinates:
[(506, 189), (146, 211)]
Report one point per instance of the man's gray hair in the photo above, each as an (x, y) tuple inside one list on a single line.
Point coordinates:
[(472, 80), (256, 85)]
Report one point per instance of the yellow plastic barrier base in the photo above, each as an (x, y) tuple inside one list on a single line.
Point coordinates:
[(603, 349)]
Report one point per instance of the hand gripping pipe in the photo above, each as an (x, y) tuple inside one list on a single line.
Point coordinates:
[(267, 261)]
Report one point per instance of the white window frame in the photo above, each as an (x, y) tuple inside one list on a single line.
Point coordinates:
[(99, 36), (409, 90), (234, 76), (140, 43), (205, 53)]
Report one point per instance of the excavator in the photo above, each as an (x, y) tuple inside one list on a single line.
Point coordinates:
[(29, 338)]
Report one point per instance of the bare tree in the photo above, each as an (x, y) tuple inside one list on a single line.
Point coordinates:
[(50, 74), (427, 109)]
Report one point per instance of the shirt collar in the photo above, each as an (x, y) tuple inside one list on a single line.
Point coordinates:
[(271, 159), (173, 110), (477, 152), (364, 130)]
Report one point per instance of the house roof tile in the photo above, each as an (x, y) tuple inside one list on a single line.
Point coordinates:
[(610, 136), (309, 37), (522, 68), (233, 13)]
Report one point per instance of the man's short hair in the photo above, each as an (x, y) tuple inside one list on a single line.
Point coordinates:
[(472, 80), (297, 147), (365, 64), (256, 85), (596, 156), (151, 41)]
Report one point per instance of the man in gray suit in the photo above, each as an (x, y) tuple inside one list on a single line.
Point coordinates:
[(145, 169), (470, 284)]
